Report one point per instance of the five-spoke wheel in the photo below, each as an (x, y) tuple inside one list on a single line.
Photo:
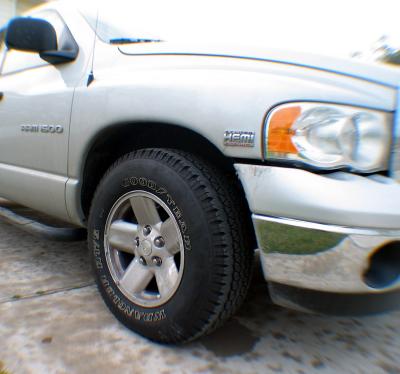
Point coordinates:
[(144, 248)]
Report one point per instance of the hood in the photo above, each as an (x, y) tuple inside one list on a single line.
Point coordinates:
[(369, 71)]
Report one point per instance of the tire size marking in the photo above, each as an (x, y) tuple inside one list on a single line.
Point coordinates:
[(144, 182), (128, 310), (96, 249)]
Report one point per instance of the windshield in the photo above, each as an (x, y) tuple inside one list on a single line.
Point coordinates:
[(340, 27)]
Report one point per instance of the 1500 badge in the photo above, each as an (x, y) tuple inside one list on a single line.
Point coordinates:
[(47, 129)]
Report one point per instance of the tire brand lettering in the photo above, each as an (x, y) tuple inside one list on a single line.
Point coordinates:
[(170, 201), (160, 190), (151, 184), (134, 181), (128, 310)]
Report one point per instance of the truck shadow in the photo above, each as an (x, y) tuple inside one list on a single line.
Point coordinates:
[(261, 329)]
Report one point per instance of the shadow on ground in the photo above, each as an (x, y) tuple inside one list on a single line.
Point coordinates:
[(287, 340)]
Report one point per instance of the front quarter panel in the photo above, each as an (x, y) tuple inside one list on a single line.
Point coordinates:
[(208, 95)]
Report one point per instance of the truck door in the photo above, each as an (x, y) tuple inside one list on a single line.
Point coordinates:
[(35, 106)]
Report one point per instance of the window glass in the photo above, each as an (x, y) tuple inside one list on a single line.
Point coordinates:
[(2, 47), (18, 60)]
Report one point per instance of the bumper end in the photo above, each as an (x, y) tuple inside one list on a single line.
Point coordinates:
[(329, 269)]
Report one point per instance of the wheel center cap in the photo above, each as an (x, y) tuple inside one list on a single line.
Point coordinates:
[(145, 247)]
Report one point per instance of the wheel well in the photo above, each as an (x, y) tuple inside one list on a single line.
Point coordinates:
[(120, 139)]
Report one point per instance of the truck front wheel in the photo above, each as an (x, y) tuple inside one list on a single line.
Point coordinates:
[(171, 257)]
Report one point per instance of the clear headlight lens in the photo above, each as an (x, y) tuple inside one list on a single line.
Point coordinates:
[(329, 136)]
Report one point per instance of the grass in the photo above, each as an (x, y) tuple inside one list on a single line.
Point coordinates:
[(3, 369), (276, 238)]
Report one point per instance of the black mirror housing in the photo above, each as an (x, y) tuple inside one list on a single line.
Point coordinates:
[(31, 35)]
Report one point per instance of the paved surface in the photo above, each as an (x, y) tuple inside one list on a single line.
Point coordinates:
[(52, 320)]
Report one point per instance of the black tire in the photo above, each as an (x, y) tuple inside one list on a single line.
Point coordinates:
[(218, 258)]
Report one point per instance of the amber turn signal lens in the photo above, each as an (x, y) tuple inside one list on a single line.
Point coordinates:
[(280, 130)]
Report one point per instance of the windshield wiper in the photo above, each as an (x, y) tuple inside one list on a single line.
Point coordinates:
[(133, 40)]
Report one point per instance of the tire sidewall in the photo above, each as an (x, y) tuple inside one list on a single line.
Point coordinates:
[(149, 175)]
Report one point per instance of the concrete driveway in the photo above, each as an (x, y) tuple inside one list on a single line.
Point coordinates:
[(52, 320)]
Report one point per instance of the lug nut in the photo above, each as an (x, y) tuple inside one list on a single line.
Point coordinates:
[(159, 242), (156, 261), (137, 241), (142, 261), (146, 230)]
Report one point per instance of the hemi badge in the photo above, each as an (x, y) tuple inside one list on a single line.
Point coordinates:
[(239, 138)]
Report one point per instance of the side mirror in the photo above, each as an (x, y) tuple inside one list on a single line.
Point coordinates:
[(38, 35), (31, 35)]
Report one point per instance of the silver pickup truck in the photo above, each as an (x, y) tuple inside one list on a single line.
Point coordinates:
[(180, 158)]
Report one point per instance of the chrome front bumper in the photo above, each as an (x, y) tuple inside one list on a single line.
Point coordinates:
[(321, 257), (322, 232)]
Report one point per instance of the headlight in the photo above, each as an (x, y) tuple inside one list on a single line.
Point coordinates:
[(329, 136)]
